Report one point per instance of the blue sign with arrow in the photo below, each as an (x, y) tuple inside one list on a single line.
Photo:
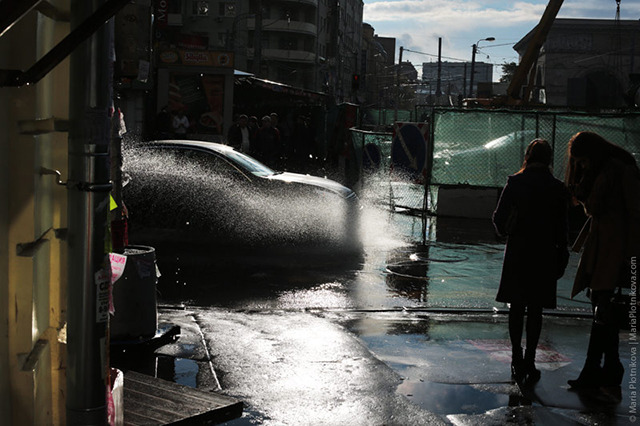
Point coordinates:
[(409, 152)]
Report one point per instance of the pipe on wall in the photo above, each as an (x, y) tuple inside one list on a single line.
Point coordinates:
[(90, 98)]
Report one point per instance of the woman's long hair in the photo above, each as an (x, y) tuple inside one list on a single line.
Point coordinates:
[(597, 150), (538, 151)]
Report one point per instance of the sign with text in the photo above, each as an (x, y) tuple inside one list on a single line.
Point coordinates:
[(202, 58), (103, 284)]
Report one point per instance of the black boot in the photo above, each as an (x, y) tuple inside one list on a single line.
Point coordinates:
[(612, 373), (590, 376), (531, 373), (517, 365)]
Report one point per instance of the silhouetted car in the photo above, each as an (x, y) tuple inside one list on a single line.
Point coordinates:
[(201, 194)]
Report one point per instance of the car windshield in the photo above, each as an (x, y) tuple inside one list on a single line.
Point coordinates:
[(249, 164)]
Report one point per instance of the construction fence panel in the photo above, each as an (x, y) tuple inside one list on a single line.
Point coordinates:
[(384, 116), (481, 148), (373, 154), (372, 151)]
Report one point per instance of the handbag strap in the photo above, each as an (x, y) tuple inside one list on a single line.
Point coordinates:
[(582, 236)]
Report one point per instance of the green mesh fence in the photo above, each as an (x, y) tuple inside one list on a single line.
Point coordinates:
[(373, 154), (385, 116), (483, 147)]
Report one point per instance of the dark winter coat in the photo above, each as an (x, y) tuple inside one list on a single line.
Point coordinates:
[(267, 144), (614, 234), (532, 213), (234, 137)]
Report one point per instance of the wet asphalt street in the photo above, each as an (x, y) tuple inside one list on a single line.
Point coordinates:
[(404, 334)]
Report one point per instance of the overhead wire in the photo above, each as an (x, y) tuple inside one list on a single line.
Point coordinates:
[(456, 59)]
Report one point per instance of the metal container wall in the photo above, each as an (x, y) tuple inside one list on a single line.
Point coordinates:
[(134, 296)]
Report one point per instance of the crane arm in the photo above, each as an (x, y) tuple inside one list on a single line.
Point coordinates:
[(533, 49)]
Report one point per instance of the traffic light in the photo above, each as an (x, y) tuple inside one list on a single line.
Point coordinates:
[(355, 82)]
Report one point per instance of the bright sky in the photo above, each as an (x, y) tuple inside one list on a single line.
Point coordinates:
[(417, 25)]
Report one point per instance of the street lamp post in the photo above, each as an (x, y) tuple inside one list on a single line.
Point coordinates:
[(398, 70), (473, 62)]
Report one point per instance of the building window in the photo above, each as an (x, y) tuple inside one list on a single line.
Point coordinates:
[(310, 16), (287, 75), (309, 44), (222, 39), (227, 9), (266, 11), (287, 43), (200, 8)]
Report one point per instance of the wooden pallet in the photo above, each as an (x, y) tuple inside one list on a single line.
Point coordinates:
[(152, 401)]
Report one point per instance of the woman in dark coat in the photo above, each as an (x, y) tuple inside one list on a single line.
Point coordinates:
[(532, 213), (605, 179)]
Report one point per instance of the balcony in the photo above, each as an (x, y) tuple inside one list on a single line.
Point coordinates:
[(283, 25), (299, 56), (309, 2)]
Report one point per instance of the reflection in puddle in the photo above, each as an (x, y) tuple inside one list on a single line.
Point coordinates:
[(327, 295), (178, 370), (186, 372), (406, 276), (187, 347), (445, 398)]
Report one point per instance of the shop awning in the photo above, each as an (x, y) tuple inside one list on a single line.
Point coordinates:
[(273, 91)]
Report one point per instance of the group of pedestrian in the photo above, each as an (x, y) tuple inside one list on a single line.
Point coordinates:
[(532, 213), (172, 124), (271, 141), (261, 140)]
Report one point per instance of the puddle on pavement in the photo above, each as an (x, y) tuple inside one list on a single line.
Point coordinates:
[(178, 370), (184, 372), (446, 398)]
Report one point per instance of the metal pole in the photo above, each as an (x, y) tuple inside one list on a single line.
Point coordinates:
[(88, 205), (553, 140), (398, 83), (464, 81), (473, 69), (439, 85)]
